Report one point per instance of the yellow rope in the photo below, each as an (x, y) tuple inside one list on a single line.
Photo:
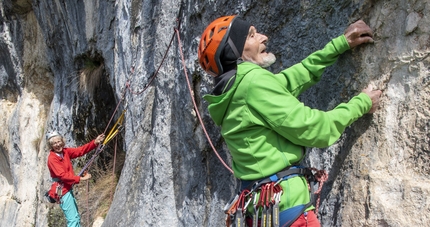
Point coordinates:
[(115, 129)]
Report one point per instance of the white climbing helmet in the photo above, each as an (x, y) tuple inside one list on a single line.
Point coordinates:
[(49, 135)]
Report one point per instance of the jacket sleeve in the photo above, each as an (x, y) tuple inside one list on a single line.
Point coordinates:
[(303, 75), (291, 119), (79, 151), (57, 168)]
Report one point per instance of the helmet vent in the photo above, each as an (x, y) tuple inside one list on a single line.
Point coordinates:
[(222, 28), (211, 33)]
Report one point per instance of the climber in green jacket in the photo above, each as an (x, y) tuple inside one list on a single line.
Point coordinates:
[(262, 122)]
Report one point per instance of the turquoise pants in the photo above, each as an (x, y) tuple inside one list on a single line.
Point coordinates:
[(70, 209)]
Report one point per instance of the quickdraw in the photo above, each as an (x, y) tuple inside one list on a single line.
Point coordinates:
[(265, 201), (236, 209)]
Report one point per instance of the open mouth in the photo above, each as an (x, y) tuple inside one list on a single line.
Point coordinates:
[(263, 50)]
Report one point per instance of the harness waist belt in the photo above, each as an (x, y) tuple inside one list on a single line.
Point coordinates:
[(294, 170)]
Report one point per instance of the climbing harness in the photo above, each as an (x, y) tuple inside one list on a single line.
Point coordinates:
[(265, 195), (56, 192)]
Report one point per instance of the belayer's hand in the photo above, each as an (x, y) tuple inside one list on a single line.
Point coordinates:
[(374, 96), (99, 139), (358, 33), (86, 177)]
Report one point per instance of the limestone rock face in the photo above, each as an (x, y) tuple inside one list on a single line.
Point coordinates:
[(52, 53)]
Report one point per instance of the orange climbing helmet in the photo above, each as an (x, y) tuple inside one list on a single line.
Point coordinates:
[(222, 43)]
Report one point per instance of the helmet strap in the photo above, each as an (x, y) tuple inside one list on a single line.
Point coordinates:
[(233, 47), (236, 53)]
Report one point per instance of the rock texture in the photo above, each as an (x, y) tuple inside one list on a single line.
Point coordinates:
[(379, 169)]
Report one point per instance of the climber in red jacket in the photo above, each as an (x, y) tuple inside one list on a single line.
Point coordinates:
[(61, 170)]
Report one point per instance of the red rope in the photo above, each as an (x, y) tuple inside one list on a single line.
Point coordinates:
[(88, 205), (113, 169), (321, 176), (194, 102), (156, 72)]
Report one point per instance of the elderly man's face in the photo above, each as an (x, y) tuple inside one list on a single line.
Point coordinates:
[(255, 49)]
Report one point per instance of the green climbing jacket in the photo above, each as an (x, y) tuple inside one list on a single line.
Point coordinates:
[(266, 127)]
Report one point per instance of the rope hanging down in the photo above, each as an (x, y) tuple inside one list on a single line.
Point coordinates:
[(155, 73), (194, 102), (118, 126), (113, 132), (176, 30)]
